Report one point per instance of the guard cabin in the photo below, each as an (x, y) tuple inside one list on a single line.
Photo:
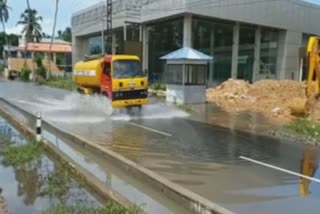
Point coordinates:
[(186, 76)]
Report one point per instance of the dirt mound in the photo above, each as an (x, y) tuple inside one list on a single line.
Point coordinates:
[(274, 98)]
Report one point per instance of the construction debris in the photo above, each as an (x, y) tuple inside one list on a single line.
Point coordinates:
[(279, 100)]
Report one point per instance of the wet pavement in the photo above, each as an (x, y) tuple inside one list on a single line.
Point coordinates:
[(190, 150)]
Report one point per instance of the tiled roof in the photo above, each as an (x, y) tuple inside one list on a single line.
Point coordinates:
[(45, 47)]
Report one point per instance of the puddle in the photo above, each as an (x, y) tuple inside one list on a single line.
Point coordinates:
[(35, 183)]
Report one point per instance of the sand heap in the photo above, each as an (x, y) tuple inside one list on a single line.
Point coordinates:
[(274, 98)]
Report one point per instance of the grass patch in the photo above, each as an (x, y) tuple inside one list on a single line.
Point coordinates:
[(305, 128), (62, 83), (80, 208), (158, 87), (17, 155), (185, 107)]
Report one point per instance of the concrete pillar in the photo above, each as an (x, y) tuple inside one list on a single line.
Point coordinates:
[(114, 41), (145, 48), (55, 58), (187, 31), (235, 50), (140, 33), (79, 49), (211, 67), (257, 51), (288, 62), (125, 32)]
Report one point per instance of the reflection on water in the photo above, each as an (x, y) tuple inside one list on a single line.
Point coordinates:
[(309, 167), (35, 184)]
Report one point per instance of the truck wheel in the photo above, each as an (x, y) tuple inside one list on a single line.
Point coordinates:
[(79, 90)]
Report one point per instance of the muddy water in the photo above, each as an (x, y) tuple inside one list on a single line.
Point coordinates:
[(26, 187)]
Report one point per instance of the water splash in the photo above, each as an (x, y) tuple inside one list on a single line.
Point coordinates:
[(152, 111), (77, 108)]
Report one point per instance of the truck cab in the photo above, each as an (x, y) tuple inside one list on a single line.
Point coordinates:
[(118, 77)]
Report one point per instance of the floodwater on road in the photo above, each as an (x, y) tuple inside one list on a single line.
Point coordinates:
[(193, 153)]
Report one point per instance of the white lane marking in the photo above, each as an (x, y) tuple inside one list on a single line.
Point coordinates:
[(280, 169), (150, 129)]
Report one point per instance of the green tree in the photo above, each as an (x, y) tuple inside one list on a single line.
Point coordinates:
[(31, 25), (32, 29), (4, 17), (65, 35)]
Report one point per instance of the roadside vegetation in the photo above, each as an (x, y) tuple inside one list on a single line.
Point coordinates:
[(16, 156), (304, 127), (158, 87), (79, 208), (185, 107), (62, 83)]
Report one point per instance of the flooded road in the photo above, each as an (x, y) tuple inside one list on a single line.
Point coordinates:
[(193, 153)]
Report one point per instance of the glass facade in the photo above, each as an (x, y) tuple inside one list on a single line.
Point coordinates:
[(269, 53), (164, 38), (95, 45), (133, 33), (216, 39), (246, 52)]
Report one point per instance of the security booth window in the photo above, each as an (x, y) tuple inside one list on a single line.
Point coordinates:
[(174, 74), (195, 74)]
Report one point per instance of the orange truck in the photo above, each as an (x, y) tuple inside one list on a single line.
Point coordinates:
[(118, 77)]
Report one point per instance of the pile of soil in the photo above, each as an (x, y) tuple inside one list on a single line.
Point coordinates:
[(273, 98)]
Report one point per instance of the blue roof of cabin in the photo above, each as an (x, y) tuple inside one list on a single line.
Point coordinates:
[(186, 54)]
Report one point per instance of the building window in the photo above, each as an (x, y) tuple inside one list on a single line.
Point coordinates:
[(215, 38), (174, 74), (195, 74), (133, 33), (164, 38), (269, 52), (246, 52), (95, 44)]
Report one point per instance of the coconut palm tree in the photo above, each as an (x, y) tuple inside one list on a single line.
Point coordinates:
[(31, 25), (53, 34), (32, 29), (4, 17)]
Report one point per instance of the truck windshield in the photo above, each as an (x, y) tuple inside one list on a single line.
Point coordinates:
[(127, 69)]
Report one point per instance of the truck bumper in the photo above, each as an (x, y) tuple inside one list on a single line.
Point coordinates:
[(129, 103)]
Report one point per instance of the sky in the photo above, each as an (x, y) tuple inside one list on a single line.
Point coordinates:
[(46, 9)]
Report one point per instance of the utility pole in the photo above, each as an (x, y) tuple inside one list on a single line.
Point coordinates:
[(109, 27)]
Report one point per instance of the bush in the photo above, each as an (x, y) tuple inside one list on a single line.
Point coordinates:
[(25, 73), (80, 208), (18, 155), (158, 87), (41, 71), (62, 83)]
